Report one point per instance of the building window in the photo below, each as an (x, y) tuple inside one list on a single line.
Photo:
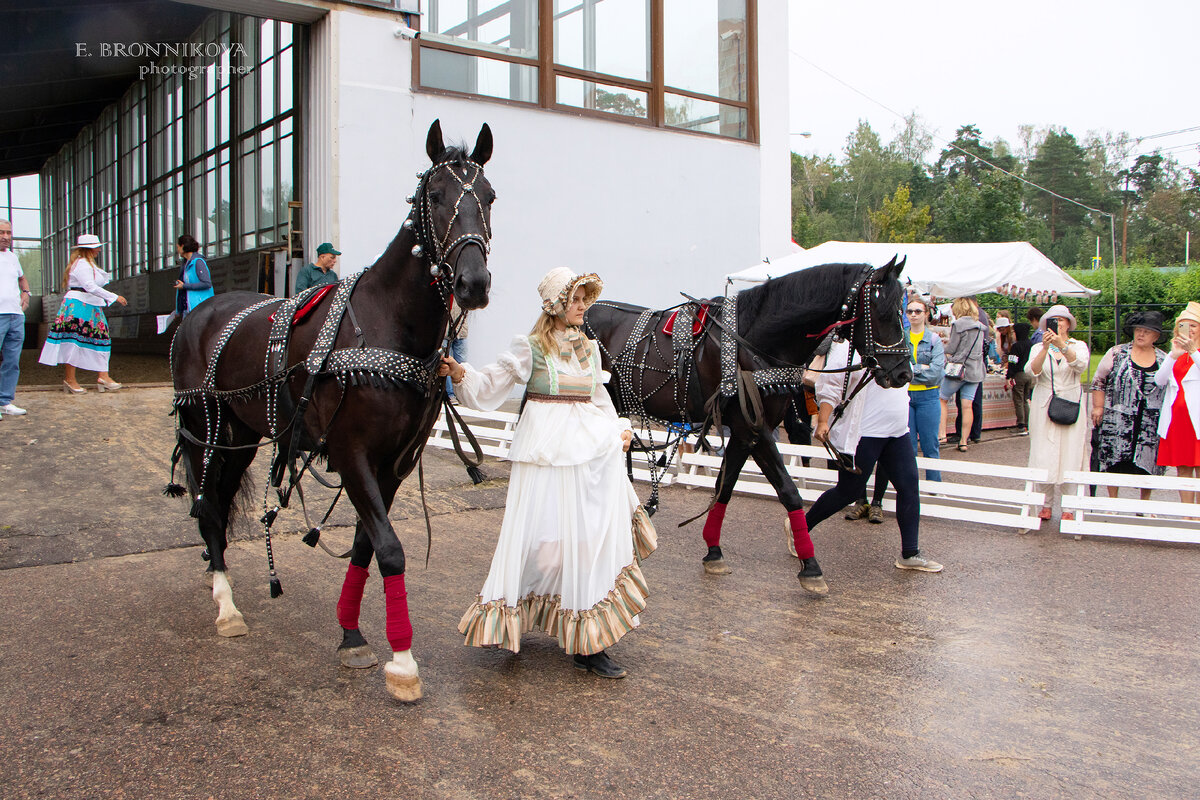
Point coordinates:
[(205, 146), (20, 204), (684, 64)]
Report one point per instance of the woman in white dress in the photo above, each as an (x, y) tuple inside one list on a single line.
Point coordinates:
[(573, 536), (1056, 365), (79, 337)]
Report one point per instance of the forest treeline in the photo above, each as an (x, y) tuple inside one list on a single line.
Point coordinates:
[(878, 192)]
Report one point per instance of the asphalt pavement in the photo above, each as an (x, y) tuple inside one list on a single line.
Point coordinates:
[(1033, 666)]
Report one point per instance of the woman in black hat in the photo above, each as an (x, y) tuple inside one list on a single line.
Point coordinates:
[(1126, 402)]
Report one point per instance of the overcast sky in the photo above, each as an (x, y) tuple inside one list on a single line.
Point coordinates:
[(1117, 65)]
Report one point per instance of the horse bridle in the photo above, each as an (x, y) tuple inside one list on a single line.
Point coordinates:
[(437, 248), (857, 308)]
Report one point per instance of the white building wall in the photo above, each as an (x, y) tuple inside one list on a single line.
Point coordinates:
[(654, 212)]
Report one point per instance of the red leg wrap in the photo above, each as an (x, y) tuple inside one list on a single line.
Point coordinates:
[(399, 629), (712, 525), (803, 542), (351, 599)]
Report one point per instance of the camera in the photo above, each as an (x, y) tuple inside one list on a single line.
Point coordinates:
[(1052, 325), (405, 32)]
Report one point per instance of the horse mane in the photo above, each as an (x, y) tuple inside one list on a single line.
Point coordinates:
[(458, 154), (801, 298)]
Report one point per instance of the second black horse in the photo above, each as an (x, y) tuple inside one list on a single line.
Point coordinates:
[(778, 325)]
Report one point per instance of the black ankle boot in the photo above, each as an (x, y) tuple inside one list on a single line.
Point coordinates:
[(600, 664)]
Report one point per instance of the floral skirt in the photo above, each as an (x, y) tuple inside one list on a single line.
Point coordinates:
[(79, 337)]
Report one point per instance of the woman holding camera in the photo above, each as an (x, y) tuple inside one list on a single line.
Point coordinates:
[(1056, 364), (1179, 441)]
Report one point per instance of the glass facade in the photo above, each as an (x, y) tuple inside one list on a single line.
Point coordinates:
[(684, 64), (20, 204), (202, 144)]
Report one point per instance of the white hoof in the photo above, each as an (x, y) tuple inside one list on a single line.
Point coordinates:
[(791, 540), (229, 620), (233, 625), (401, 678)]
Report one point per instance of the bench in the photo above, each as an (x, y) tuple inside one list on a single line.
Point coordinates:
[(969, 502), (494, 432), (1163, 520)]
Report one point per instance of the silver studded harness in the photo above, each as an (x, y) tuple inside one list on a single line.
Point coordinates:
[(351, 366)]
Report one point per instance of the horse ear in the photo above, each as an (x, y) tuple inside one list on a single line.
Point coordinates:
[(900, 266), (433, 142), (483, 146), (883, 273)]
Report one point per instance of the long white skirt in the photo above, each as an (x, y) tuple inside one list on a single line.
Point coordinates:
[(567, 560)]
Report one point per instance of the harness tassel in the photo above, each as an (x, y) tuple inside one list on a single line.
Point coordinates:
[(312, 537), (477, 476), (173, 489)]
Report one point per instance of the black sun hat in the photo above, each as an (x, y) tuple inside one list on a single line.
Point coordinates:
[(1150, 320)]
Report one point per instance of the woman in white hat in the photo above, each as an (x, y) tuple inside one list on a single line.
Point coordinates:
[(78, 336), (1179, 439), (567, 560), (1056, 364)]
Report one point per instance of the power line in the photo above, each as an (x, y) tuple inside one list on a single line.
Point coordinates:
[(951, 144)]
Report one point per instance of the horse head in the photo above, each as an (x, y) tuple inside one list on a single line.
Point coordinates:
[(880, 337), (453, 206)]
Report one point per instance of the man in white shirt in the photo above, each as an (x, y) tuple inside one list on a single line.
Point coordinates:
[(874, 429), (14, 299)]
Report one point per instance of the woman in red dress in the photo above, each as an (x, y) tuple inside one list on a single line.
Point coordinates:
[(1179, 442)]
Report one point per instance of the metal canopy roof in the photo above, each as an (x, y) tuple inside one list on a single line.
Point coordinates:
[(47, 92)]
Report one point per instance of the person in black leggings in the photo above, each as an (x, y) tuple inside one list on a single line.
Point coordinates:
[(881, 414)]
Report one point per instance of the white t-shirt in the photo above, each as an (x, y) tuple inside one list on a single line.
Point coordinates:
[(874, 412), (10, 286)]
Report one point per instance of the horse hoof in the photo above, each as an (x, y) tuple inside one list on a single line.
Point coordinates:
[(814, 584), (405, 688), (717, 567), (234, 626), (791, 540), (361, 657)]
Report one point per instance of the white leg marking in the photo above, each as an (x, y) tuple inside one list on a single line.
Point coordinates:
[(229, 620)]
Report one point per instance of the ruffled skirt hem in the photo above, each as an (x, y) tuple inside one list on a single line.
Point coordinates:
[(496, 623)]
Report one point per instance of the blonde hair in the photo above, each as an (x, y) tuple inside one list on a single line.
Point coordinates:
[(543, 333), (88, 254), (963, 307)]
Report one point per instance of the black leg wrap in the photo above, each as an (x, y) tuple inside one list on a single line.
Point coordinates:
[(351, 638), (811, 569), (714, 554)]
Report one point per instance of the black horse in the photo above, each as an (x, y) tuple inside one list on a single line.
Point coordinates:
[(780, 323), (370, 417)]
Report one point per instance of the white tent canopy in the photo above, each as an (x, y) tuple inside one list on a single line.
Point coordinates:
[(943, 270)]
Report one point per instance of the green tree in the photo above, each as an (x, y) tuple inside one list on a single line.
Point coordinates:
[(1060, 166), (898, 221), (872, 172), (985, 211)]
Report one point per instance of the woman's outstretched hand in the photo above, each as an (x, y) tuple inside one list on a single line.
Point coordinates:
[(626, 438), (452, 368)]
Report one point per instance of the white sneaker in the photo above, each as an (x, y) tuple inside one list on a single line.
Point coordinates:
[(920, 561), (12, 410)]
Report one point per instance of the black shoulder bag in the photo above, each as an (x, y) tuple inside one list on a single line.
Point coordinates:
[(1061, 410)]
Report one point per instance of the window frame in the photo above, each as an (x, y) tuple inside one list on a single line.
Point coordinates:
[(656, 88)]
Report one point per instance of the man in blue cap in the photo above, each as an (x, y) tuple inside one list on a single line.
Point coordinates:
[(321, 272)]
